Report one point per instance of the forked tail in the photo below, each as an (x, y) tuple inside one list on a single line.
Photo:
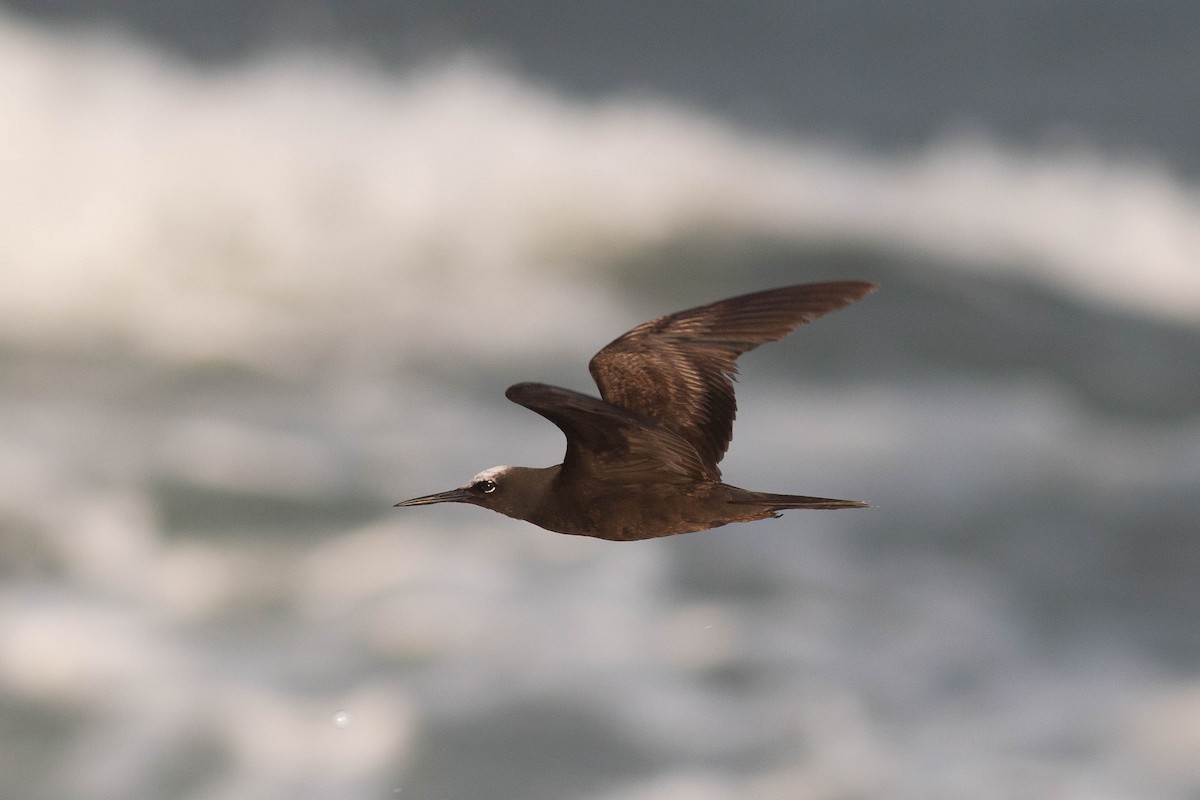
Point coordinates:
[(778, 502)]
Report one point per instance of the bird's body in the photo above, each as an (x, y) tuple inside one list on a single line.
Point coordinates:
[(642, 462), (627, 511)]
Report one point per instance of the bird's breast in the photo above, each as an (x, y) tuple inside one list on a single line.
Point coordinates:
[(626, 512)]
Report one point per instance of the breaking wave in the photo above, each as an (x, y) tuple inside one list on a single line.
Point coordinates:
[(251, 213)]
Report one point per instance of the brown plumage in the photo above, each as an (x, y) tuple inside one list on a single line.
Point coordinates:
[(642, 461)]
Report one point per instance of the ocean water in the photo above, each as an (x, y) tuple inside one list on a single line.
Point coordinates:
[(246, 305)]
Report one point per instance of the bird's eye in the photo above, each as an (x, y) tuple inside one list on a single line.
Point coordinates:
[(487, 487)]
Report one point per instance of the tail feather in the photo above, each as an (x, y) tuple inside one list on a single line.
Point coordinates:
[(778, 502)]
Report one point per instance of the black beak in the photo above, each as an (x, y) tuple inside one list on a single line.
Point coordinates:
[(453, 496)]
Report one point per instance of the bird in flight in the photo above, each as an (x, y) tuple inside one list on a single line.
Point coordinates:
[(642, 462)]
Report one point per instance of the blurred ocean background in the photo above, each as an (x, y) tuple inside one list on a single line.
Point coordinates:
[(267, 268)]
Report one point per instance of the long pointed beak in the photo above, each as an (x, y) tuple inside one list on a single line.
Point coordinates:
[(452, 496)]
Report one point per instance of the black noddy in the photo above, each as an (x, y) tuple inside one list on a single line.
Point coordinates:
[(642, 462)]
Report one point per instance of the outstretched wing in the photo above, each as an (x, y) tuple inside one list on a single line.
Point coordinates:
[(606, 443), (678, 369)]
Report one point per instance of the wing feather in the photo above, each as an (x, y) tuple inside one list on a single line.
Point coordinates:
[(611, 444), (678, 369)]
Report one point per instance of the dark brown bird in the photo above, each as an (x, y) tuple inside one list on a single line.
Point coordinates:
[(642, 462)]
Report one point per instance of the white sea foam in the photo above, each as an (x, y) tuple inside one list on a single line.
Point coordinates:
[(271, 211)]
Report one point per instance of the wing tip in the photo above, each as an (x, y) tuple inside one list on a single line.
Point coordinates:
[(810, 300), (849, 290), (523, 391), (865, 287), (517, 389)]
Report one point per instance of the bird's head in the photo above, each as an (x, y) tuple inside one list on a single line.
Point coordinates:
[(509, 490)]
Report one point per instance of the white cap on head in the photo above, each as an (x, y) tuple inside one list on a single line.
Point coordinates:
[(493, 474)]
